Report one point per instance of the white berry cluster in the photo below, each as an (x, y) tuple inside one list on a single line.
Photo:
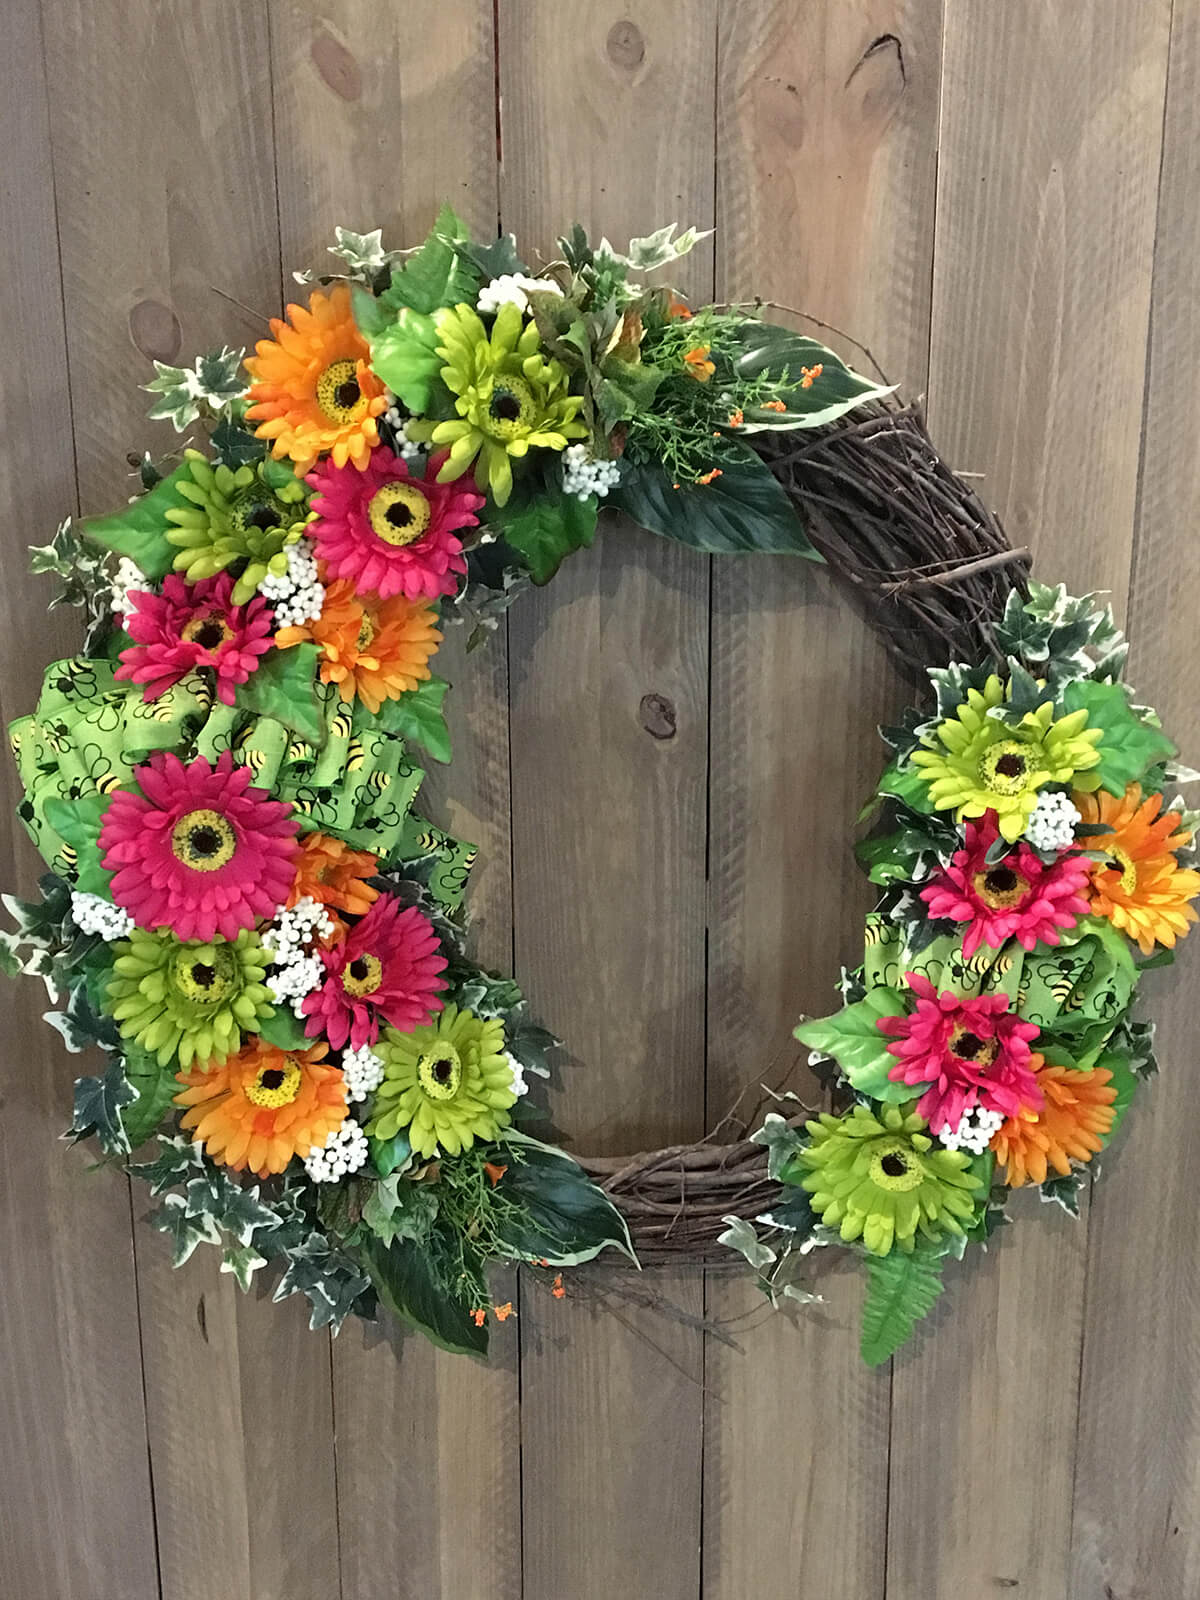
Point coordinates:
[(363, 1072), (519, 1084), (1052, 823), (407, 449), (296, 968), (128, 576), (514, 289), (296, 595), (975, 1130), (343, 1152), (91, 913), (584, 475)]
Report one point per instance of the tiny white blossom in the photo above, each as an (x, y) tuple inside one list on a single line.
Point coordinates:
[(519, 1084), (585, 475), (296, 968), (514, 289), (408, 449), (363, 1072), (91, 913), (128, 576), (975, 1131), (296, 595), (344, 1151), (1051, 825)]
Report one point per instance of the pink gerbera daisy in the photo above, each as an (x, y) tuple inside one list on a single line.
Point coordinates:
[(197, 850), (1017, 897), (192, 625), (389, 967), (962, 1053), (389, 532)]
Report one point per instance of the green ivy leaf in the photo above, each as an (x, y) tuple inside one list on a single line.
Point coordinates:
[(853, 1039), (405, 1280), (1129, 745), (98, 1105), (139, 531), (901, 1289), (744, 510), (545, 528), (284, 686), (417, 716)]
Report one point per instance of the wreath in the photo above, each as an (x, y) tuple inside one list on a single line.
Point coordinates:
[(247, 914)]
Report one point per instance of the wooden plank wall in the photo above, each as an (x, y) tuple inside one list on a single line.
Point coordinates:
[(1002, 198)]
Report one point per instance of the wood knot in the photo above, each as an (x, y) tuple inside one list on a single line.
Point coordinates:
[(657, 715), (155, 331), (202, 1318), (338, 69), (626, 45)]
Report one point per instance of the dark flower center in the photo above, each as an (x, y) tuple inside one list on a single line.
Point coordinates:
[(203, 976), (209, 634), (271, 1078), (262, 518), (1011, 766), (362, 976), (895, 1166), (506, 407), (968, 1046), (348, 394), (443, 1069), (359, 969), (1000, 880), (203, 840), (399, 515)]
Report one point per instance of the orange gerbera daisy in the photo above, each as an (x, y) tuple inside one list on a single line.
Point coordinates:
[(328, 871), (263, 1106), (1141, 888), (1077, 1111), (312, 390), (697, 365), (377, 649)]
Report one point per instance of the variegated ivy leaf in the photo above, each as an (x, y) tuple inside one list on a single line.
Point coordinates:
[(655, 249), (243, 1261), (741, 1236), (1065, 1191), (98, 1103), (238, 1211), (781, 1141), (183, 1229), (185, 394), (178, 1158), (363, 253), (331, 1281)]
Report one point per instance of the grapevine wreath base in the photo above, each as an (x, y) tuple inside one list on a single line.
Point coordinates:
[(248, 917)]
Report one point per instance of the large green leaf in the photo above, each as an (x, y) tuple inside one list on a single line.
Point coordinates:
[(545, 528), (404, 356), (744, 510), (406, 1282), (438, 274), (155, 1086), (901, 1289), (771, 351), (565, 1218), (139, 530), (1129, 746), (904, 781), (284, 686), (853, 1038), (77, 823), (418, 716), (284, 1029)]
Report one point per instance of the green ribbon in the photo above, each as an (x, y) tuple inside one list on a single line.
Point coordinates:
[(90, 732)]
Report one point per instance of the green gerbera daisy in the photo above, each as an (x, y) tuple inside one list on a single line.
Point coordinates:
[(510, 399), (978, 763), (249, 514), (192, 1000), (449, 1083), (878, 1176)]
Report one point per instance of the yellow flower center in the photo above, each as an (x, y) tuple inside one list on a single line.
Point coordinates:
[(366, 634), (968, 1046), (895, 1166), (512, 409), (362, 976), (338, 393), (439, 1071), (205, 978), (1121, 861), (275, 1086), (1004, 768), (1000, 888), (398, 513), (203, 840), (210, 631)]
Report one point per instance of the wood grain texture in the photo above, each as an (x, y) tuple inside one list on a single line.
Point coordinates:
[(1051, 128), (609, 818), (147, 238), (71, 1409), (381, 116), (1137, 1470), (827, 131)]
